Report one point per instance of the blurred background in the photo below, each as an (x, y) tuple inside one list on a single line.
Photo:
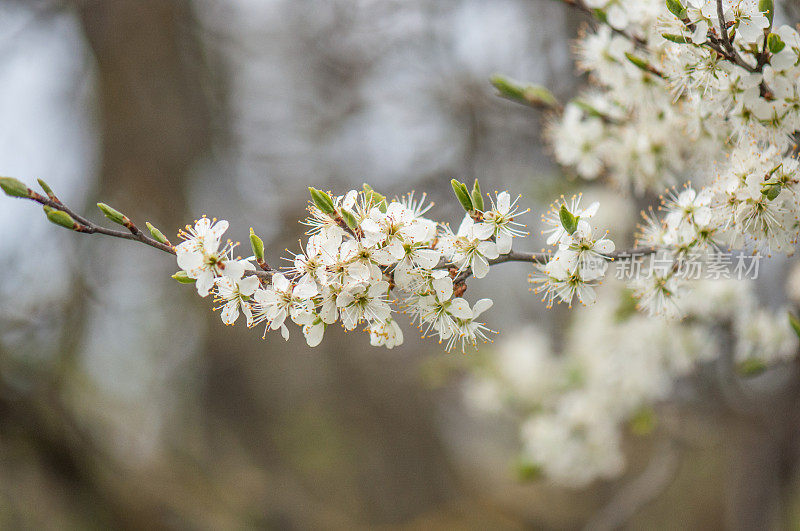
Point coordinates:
[(124, 401)]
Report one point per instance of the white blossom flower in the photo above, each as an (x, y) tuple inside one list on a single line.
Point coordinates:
[(236, 295)]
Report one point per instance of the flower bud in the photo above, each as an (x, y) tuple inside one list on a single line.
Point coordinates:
[(322, 200), (532, 95), (59, 217), (462, 194), (257, 244), (47, 189), (112, 214), (156, 234), (13, 187), (477, 196), (183, 278), (568, 220)]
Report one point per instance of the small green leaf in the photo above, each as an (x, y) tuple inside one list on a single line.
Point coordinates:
[(678, 39), (113, 214), (61, 218), (350, 219), (477, 197), (601, 15), (322, 200), (751, 367), (644, 422), (462, 194), (771, 191), (568, 221), (676, 8), (257, 244), (639, 62), (375, 198), (14, 188), (768, 8), (774, 43), (183, 278), (795, 324), (156, 234), (527, 471)]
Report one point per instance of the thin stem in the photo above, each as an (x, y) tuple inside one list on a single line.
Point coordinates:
[(540, 258), (87, 226)]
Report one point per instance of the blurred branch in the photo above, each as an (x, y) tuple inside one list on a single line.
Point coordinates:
[(631, 498)]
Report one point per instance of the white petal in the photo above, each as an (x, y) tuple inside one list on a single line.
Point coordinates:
[(460, 308), (480, 266), (190, 260), (503, 243), (480, 307), (314, 334), (230, 312), (443, 287), (482, 231), (204, 283), (427, 258), (248, 285)]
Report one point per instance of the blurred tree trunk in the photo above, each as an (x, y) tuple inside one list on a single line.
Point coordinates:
[(155, 114), (154, 124)]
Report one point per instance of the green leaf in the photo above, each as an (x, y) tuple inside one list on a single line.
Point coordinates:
[(751, 367), (61, 218), (183, 278), (644, 422), (639, 62), (462, 194), (676, 8), (375, 198), (795, 324), (14, 188), (112, 214), (568, 221), (774, 43), (350, 219), (257, 244), (771, 191), (157, 234), (768, 8), (678, 39), (527, 471), (601, 15), (322, 200), (477, 196)]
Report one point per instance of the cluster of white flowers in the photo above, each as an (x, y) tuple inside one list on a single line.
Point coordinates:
[(364, 256), (574, 406), (673, 92), (580, 259), (753, 203)]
